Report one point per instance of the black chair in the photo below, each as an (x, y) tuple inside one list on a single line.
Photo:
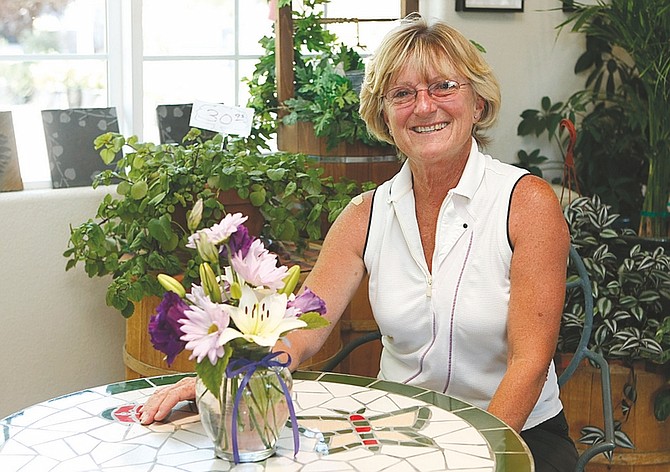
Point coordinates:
[(582, 352), (69, 134)]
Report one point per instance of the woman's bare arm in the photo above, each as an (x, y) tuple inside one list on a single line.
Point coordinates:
[(540, 238)]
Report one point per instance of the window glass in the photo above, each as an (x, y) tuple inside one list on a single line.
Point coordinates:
[(220, 59), (193, 27), (254, 23), (176, 82), (363, 36), (52, 55), (52, 27)]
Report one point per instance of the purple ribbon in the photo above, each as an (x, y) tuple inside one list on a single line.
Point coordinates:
[(238, 366)]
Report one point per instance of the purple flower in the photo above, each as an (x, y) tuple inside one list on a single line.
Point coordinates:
[(240, 241), (308, 301), (164, 326)]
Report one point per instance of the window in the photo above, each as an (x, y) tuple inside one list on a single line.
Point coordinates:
[(135, 55), (53, 54)]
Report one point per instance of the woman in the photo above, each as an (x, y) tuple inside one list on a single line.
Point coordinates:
[(466, 255)]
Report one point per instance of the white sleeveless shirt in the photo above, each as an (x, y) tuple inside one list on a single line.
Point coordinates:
[(446, 331)]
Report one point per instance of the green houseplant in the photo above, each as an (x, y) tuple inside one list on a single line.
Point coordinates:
[(631, 318), (323, 96), (609, 157), (623, 114), (635, 36), (142, 228)]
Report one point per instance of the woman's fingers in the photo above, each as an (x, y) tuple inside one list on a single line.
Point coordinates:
[(161, 403)]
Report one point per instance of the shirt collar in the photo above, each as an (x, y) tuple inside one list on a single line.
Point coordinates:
[(473, 173)]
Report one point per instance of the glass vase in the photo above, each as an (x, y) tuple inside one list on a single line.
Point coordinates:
[(262, 413)]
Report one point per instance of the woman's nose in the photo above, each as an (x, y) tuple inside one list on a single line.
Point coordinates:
[(424, 101)]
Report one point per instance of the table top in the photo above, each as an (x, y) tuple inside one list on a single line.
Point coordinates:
[(365, 424)]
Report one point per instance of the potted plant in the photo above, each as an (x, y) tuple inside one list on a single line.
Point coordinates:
[(636, 36), (325, 101), (623, 146), (141, 229), (631, 329), (609, 157)]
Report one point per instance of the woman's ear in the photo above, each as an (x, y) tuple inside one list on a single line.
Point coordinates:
[(479, 109), (386, 121)]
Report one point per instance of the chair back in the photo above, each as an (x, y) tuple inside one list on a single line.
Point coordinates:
[(583, 352)]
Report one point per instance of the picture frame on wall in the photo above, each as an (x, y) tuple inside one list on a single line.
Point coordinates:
[(490, 5)]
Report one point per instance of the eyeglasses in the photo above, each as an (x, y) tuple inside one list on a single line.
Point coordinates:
[(440, 91)]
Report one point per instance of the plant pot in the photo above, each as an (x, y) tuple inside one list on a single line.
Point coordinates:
[(354, 161), (582, 402)]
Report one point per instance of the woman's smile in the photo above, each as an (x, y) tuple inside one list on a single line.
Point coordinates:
[(430, 128)]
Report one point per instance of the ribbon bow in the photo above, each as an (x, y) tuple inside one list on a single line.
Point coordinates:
[(248, 367)]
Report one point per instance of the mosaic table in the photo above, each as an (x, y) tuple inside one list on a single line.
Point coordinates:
[(346, 423)]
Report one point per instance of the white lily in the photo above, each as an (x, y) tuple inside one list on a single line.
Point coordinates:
[(262, 320)]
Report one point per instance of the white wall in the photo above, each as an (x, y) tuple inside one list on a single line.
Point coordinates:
[(58, 335), (528, 57)]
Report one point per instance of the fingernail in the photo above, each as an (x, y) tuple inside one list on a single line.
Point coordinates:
[(144, 418)]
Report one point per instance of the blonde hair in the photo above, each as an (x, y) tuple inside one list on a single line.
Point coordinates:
[(414, 41)]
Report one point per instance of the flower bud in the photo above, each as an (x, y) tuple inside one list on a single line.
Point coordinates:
[(235, 291), (291, 280), (195, 215), (206, 249), (209, 282), (171, 284)]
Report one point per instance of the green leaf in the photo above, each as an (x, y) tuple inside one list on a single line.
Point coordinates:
[(160, 229), (604, 306), (257, 197), (662, 405), (314, 320), (212, 375), (608, 234), (276, 174), (123, 188), (171, 244), (107, 156), (648, 296), (621, 439), (139, 190)]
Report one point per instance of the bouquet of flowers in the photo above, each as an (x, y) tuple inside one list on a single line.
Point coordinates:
[(230, 321)]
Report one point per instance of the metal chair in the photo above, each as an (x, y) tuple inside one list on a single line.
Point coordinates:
[(582, 352)]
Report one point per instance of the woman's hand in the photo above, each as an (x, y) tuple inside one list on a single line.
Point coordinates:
[(163, 400)]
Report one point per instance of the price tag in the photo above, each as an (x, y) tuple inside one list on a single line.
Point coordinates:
[(221, 118)]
